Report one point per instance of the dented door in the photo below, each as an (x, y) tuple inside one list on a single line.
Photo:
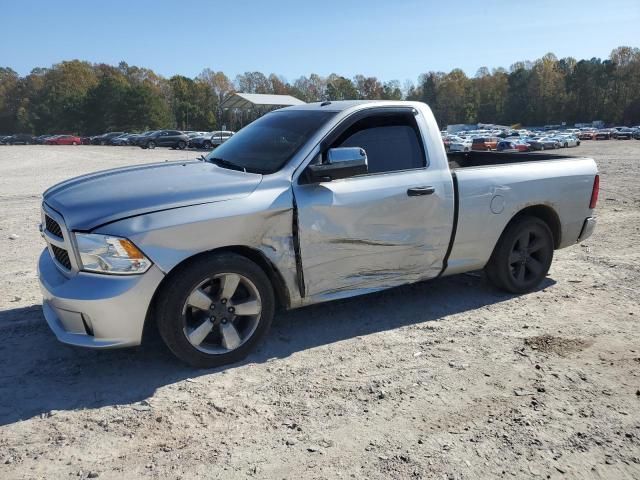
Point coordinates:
[(367, 233)]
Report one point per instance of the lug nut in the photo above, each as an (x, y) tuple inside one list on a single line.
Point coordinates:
[(224, 320), (231, 309), (223, 301)]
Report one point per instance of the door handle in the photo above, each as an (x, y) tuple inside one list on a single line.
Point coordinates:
[(418, 191)]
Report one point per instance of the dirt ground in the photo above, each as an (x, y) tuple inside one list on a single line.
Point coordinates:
[(446, 379)]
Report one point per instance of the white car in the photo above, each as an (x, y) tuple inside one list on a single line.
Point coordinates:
[(460, 144), (567, 140)]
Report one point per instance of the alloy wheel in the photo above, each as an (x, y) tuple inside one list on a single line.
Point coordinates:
[(529, 254), (221, 313)]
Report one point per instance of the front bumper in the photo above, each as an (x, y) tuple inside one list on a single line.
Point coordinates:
[(587, 228), (95, 310)]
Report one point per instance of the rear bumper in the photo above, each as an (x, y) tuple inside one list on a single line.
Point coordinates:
[(587, 228), (93, 310)]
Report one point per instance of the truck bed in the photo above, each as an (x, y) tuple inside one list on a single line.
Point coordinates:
[(458, 160), (502, 184)]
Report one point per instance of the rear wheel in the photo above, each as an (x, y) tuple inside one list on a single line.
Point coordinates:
[(522, 257), (182, 145), (215, 311)]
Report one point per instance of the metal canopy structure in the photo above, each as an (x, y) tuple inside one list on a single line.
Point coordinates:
[(252, 101)]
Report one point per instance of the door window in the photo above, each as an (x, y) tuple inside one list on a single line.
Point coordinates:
[(392, 142)]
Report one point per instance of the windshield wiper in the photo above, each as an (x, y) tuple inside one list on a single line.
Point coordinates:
[(221, 162)]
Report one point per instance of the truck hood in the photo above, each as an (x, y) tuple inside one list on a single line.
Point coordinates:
[(92, 200)]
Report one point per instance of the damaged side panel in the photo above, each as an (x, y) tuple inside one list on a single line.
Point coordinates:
[(365, 233), (263, 224)]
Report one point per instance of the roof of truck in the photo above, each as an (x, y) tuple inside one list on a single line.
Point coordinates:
[(339, 105)]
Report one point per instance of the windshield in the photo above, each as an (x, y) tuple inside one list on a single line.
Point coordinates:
[(268, 143)]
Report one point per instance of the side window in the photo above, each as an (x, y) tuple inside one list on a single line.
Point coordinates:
[(392, 142)]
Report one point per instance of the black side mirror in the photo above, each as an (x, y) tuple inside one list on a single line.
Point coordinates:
[(340, 163)]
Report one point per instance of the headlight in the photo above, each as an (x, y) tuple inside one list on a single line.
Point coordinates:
[(108, 254)]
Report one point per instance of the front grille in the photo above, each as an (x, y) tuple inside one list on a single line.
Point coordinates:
[(62, 256), (53, 227)]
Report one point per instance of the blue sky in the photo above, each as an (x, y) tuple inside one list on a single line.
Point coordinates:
[(392, 39)]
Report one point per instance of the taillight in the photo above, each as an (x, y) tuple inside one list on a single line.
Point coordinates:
[(594, 192)]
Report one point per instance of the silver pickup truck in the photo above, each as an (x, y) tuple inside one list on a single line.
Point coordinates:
[(306, 204)]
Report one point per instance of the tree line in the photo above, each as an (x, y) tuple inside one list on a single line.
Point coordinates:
[(85, 98)]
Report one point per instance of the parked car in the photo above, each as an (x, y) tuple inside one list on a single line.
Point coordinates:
[(121, 140), (624, 134), (306, 204), (587, 135), (2, 138), (602, 135), (484, 143), (522, 146), (39, 140), (135, 137), (63, 140), (519, 143), (567, 141), (104, 138), (164, 138), (506, 146), (221, 136), (19, 139), (201, 141), (544, 143), (460, 144)]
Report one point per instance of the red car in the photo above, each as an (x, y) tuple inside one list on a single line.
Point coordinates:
[(63, 140)]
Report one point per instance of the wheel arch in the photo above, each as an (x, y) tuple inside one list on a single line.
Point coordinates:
[(275, 277), (545, 213)]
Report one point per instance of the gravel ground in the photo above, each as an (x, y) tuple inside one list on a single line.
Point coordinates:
[(444, 379)]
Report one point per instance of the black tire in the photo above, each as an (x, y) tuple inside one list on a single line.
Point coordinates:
[(172, 297), (207, 145), (151, 144), (182, 145), (517, 269)]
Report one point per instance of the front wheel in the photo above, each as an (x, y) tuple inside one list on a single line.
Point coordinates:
[(522, 257), (215, 311), (207, 145), (151, 144)]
